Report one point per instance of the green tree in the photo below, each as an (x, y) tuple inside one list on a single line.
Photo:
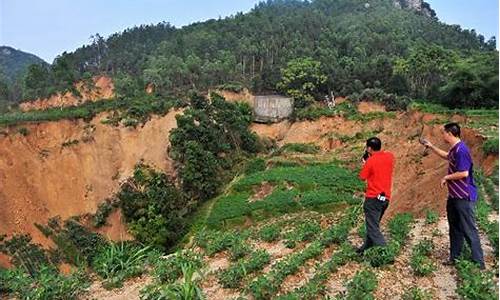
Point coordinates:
[(425, 69), (209, 138), (36, 83), (302, 79), (472, 82)]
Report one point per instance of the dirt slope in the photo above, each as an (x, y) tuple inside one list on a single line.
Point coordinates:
[(417, 175), (67, 168), (104, 89)]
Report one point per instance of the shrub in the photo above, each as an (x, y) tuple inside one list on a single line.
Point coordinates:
[(103, 210), (24, 254), (23, 131), (208, 138), (75, 243), (153, 208), (255, 165)]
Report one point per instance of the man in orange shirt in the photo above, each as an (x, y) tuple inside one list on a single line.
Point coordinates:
[(377, 172)]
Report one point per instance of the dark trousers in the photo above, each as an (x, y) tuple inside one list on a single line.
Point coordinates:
[(374, 210), (462, 225)]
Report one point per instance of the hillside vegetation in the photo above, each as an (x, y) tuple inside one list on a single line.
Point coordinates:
[(351, 47)]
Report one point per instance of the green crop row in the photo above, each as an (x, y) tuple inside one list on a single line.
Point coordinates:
[(475, 284), (266, 286), (232, 277), (315, 286)]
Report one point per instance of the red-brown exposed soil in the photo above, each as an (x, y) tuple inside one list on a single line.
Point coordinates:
[(417, 175), (104, 89), (67, 167), (42, 177)]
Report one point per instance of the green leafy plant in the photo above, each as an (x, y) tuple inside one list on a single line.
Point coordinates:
[(186, 289), (420, 260), (474, 283), (416, 293), (491, 146), (169, 269), (117, 262), (270, 233), (361, 286), (153, 207), (47, 284), (431, 217)]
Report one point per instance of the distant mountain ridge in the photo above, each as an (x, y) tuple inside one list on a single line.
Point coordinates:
[(14, 63)]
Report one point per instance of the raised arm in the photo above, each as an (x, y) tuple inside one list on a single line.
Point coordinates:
[(441, 153)]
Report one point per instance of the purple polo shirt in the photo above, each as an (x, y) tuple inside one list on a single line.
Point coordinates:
[(460, 160)]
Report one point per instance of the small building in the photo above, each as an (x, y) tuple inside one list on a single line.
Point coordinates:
[(272, 108)]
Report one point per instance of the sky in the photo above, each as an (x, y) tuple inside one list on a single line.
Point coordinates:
[(47, 28)]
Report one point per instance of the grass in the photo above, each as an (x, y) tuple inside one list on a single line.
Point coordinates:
[(483, 120), (300, 148), (186, 288)]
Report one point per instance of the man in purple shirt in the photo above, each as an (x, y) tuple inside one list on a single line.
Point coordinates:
[(462, 195)]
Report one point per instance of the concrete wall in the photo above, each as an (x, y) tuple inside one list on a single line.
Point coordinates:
[(272, 108)]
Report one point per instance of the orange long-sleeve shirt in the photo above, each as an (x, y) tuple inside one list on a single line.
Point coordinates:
[(377, 171)]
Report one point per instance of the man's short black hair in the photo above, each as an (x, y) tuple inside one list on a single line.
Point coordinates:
[(375, 143), (453, 128)]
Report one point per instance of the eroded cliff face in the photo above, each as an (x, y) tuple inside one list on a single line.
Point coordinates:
[(66, 168), (417, 173), (102, 89)]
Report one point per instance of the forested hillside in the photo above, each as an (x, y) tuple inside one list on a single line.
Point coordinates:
[(350, 45), (13, 66)]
